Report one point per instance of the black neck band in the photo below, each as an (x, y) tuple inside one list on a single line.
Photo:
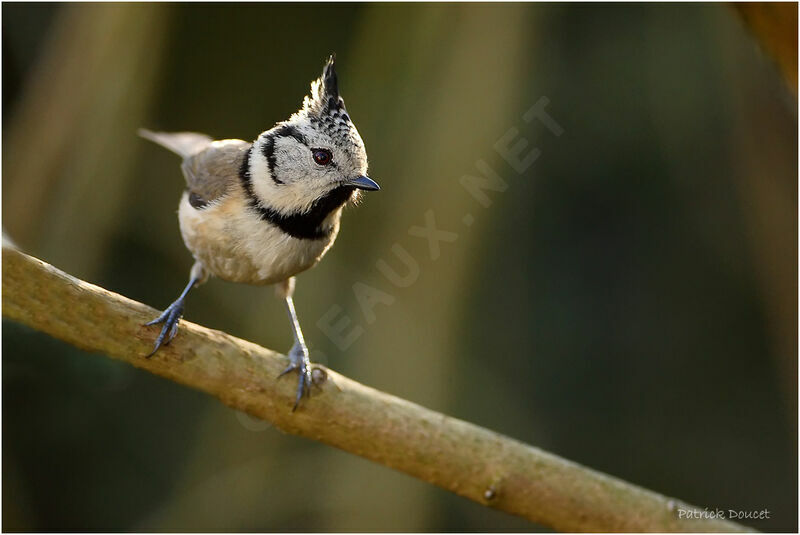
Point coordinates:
[(301, 225)]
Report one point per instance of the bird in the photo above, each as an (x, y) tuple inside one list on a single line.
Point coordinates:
[(260, 213)]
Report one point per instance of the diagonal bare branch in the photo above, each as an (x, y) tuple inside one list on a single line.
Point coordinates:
[(463, 458)]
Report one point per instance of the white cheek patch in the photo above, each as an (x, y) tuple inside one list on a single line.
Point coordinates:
[(258, 162), (298, 191), (292, 155)]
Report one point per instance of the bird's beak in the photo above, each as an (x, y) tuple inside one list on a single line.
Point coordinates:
[(365, 183)]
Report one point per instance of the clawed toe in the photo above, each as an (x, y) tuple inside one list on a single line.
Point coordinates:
[(289, 368), (302, 366), (170, 318), (173, 314), (303, 387), (159, 319)]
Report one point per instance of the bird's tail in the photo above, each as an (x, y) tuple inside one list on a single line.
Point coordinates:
[(184, 144)]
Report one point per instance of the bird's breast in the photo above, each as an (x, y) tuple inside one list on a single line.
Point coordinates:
[(234, 243)]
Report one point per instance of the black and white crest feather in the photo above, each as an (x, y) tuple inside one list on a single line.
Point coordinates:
[(324, 98), (325, 109), (329, 80)]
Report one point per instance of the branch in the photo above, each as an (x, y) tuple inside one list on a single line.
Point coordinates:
[(463, 458)]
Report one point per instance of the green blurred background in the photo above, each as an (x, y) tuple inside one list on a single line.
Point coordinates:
[(630, 302)]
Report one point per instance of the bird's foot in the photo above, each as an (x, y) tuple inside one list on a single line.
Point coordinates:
[(299, 361), (170, 318)]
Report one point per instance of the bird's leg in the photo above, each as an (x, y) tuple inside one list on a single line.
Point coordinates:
[(298, 355), (172, 315)]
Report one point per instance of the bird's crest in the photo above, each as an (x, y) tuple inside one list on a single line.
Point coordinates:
[(325, 109), (324, 98)]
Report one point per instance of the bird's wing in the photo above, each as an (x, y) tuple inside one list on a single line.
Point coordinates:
[(212, 171)]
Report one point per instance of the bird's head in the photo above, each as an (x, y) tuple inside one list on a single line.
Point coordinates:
[(315, 156)]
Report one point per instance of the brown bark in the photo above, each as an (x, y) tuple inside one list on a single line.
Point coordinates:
[(463, 458)]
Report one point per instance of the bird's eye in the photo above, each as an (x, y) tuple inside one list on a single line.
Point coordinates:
[(322, 156)]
